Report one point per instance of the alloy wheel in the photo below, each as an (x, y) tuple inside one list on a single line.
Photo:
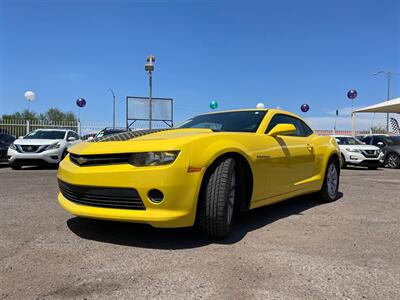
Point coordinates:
[(332, 181), (231, 197)]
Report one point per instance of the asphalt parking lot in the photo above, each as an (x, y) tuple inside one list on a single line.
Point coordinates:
[(299, 249)]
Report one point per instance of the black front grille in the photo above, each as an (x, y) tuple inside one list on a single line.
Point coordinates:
[(370, 153), (29, 148), (100, 159), (123, 198)]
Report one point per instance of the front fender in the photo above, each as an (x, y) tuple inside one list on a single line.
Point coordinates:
[(204, 153)]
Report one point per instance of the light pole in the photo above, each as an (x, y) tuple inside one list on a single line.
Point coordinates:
[(389, 78), (149, 68), (112, 92)]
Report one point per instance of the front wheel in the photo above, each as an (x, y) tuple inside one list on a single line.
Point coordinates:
[(393, 161), (330, 187), (217, 200), (343, 163), (15, 166)]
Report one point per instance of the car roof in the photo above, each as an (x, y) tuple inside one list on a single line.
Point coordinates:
[(274, 110), (52, 129), (341, 135)]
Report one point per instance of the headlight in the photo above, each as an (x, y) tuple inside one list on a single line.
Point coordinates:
[(142, 159), (13, 147), (353, 150), (53, 146)]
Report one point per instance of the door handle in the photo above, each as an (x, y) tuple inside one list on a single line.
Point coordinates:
[(310, 147)]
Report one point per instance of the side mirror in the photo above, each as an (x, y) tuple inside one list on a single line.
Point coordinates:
[(21, 137), (282, 129), (90, 138), (71, 139), (380, 144)]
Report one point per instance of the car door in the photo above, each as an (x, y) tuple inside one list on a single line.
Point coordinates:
[(291, 157)]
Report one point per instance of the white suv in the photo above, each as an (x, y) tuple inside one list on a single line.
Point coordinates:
[(355, 152), (41, 146)]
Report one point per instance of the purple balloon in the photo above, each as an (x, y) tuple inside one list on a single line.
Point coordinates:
[(81, 102), (305, 108), (352, 94)]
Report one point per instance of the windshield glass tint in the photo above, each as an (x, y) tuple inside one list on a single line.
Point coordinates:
[(46, 135), (348, 141), (392, 140), (236, 121)]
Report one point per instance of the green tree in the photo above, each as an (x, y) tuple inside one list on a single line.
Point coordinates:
[(25, 115), (53, 114)]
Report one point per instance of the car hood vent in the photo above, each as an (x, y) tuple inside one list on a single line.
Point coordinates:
[(125, 136)]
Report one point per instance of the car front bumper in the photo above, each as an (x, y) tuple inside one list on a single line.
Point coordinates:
[(27, 158), (360, 160), (180, 189)]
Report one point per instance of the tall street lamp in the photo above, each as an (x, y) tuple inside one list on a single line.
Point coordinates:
[(149, 68), (389, 78), (112, 92)]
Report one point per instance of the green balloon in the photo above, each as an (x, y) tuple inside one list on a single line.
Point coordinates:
[(213, 104)]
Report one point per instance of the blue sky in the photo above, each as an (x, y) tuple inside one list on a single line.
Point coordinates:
[(239, 53)]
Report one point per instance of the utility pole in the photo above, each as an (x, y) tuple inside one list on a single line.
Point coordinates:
[(149, 67), (389, 78), (112, 92)]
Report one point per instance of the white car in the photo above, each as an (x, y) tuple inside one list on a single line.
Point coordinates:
[(42, 146), (355, 152)]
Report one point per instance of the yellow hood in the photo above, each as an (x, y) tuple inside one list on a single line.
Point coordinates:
[(172, 139)]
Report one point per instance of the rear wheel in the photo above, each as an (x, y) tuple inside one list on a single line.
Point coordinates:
[(330, 187), (217, 200), (393, 160)]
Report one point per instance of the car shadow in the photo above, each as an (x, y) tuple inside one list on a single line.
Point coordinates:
[(145, 236), (40, 167), (362, 168)]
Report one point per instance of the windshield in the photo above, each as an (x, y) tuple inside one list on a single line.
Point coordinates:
[(46, 135), (391, 140), (341, 140), (236, 121)]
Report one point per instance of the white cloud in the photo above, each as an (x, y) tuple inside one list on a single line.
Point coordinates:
[(363, 121)]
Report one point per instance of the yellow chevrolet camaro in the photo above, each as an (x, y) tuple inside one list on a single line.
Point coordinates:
[(204, 171)]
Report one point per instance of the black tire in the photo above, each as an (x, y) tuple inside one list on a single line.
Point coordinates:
[(343, 163), (15, 166), (393, 160), (324, 194), (216, 207), (63, 155)]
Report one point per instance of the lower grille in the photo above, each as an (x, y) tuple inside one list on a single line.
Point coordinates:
[(122, 198)]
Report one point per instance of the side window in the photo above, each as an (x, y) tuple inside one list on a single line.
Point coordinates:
[(367, 140), (70, 134), (306, 130), (301, 128), (76, 136), (276, 119), (377, 140)]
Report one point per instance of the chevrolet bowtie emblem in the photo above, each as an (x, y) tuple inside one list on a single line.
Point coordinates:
[(82, 160)]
